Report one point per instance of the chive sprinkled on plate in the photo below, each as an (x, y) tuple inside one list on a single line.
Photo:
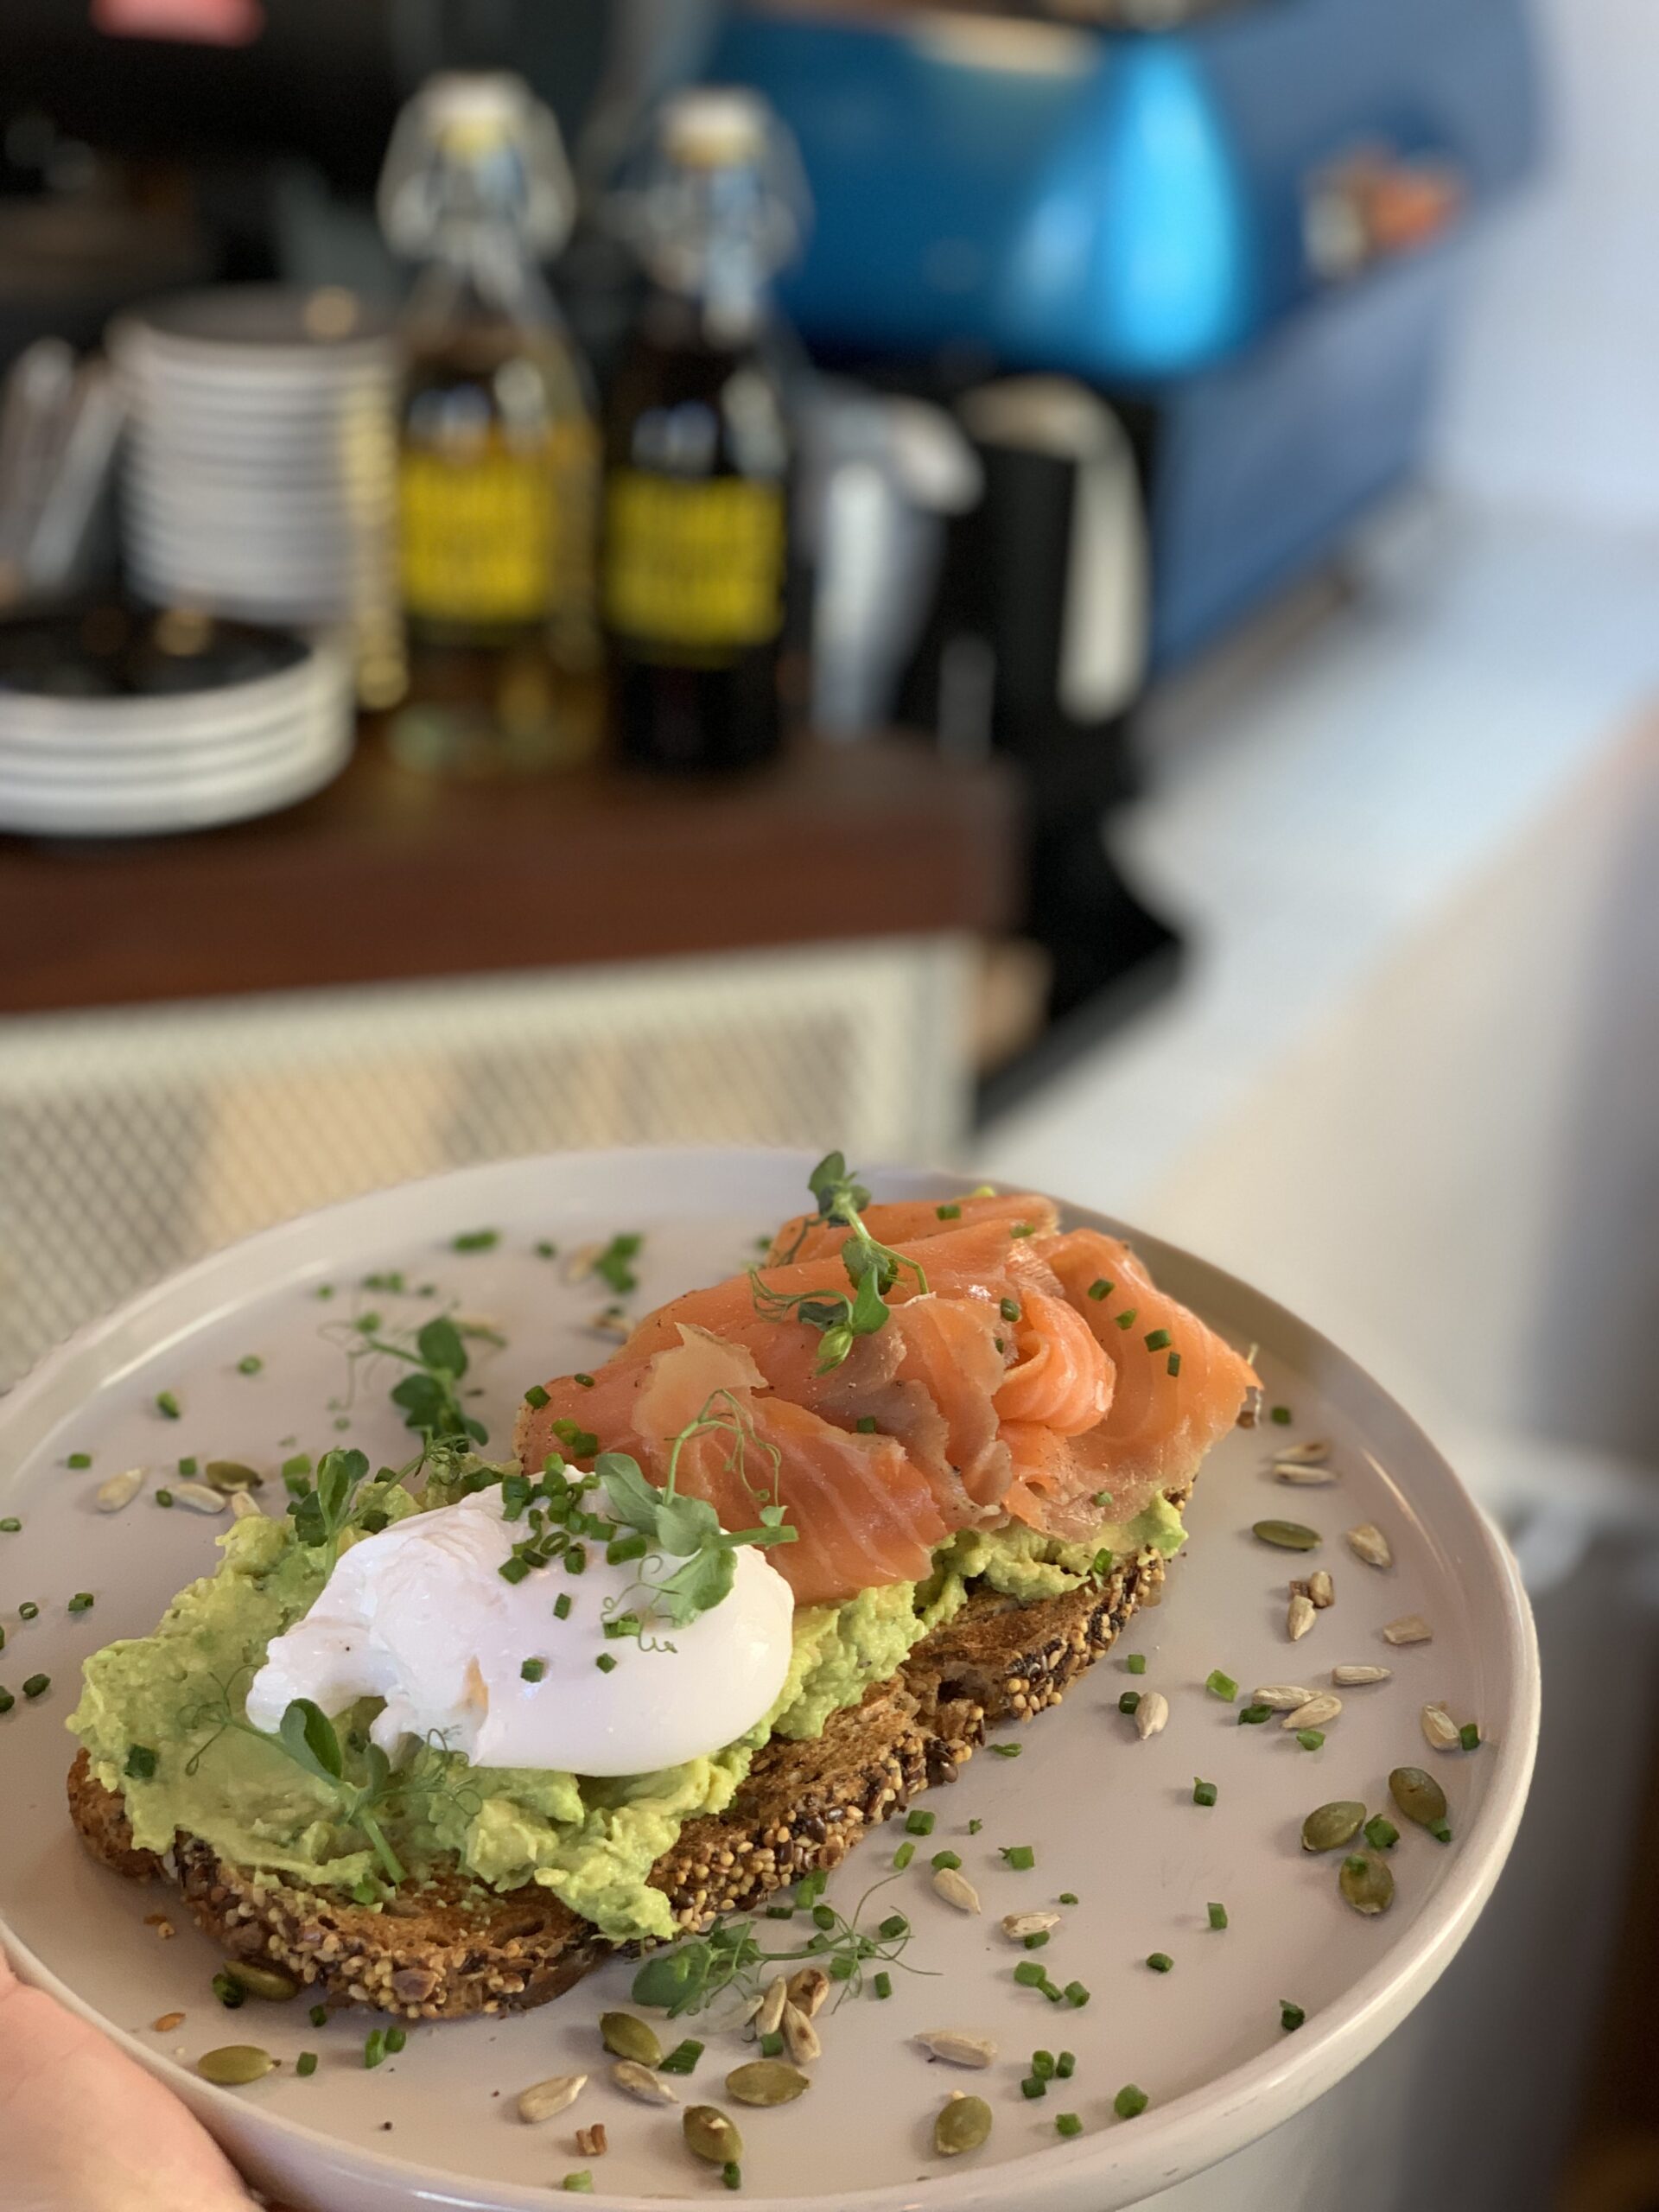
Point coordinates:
[(1220, 1685), (1068, 1897), (1067, 2123), (1281, 1415), (1217, 1914), (1381, 1832), (37, 1686), (532, 1670), (318, 2016), (167, 1404), (81, 1602), (79, 1459), (1160, 1961), (605, 1662), (249, 1363), (1128, 1701), (974, 1826), (1033, 2087), (1469, 1736), (1022, 1857), (1252, 1716), (1290, 2016), (1029, 1974), (476, 1240), (1130, 2101), (919, 1821), (902, 1857), (1007, 1751), (1311, 1739), (951, 1858), (28, 1611), (1137, 1662), (1203, 1793), (306, 2064), (189, 1467), (10, 1526), (374, 2046)]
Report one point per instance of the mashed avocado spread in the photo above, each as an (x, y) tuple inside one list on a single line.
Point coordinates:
[(178, 1694)]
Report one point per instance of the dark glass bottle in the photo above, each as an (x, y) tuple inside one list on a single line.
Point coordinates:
[(696, 536)]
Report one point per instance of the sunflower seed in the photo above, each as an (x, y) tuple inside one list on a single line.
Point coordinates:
[(956, 2047), (1016, 1926), (807, 1990), (800, 2037), (1315, 1714), (1350, 1678), (1319, 1589), (1410, 1628), (774, 1998), (199, 1497), (120, 1490), (1280, 1697), (1441, 1728), (956, 1889), (1313, 1454), (1300, 1615), (1151, 1714), (640, 2081), (544, 2099), (1306, 1476), (1368, 1542), (579, 1263), (244, 1506)]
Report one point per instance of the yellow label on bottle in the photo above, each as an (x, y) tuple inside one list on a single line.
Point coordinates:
[(698, 564), (498, 535)]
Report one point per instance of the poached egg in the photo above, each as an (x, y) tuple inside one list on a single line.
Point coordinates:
[(421, 1615)]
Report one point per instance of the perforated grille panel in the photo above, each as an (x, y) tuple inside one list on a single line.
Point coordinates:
[(132, 1142)]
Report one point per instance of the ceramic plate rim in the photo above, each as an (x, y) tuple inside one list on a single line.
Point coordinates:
[(1165, 2145)]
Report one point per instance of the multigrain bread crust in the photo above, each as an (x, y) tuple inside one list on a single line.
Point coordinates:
[(450, 1948)]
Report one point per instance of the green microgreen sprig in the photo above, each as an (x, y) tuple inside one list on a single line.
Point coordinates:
[(872, 1268)]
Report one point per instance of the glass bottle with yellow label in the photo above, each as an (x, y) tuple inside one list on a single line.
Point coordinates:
[(497, 459), (695, 540)]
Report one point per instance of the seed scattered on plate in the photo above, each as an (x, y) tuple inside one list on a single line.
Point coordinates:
[(711, 2136), (199, 1497), (956, 2047), (1368, 1542), (167, 2023), (1318, 1589), (1280, 1697), (800, 2037), (1151, 1714), (1368, 1884), (640, 2081), (1286, 1536), (1313, 1453), (774, 1998), (767, 2081), (1418, 1796), (120, 1490), (963, 2124), (1318, 1712), (1352, 1678), (592, 2142), (1016, 1926), (244, 1506), (1300, 1615), (1440, 1729), (1327, 1828), (956, 1889), (234, 2065), (807, 1988), (612, 1323), (544, 2099), (1410, 1628), (1309, 1476)]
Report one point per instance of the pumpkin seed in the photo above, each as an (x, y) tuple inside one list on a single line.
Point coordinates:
[(1368, 1884), (199, 1497), (774, 1998), (1350, 1678), (626, 2037), (956, 1889), (1300, 1616), (1287, 1536), (963, 2124), (261, 1981), (1410, 1628), (1016, 1926), (544, 2099), (120, 1490), (1368, 1542), (800, 2036), (244, 1506), (1441, 1729), (767, 2081), (1151, 1714), (1280, 1697), (640, 2081), (233, 2065), (956, 2047), (1315, 1714), (1321, 1590), (1418, 1796), (807, 1988), (1329, 1827), (230, 1475), (709, 2134)]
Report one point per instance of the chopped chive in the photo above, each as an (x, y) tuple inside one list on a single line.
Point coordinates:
[(683, 2056), (319, 2016), (1100, 1288), (974, 1826), (585, 1381), (323, 1290), (167, 1404), (1311, 1739), (396, 2038), (1160, 1961), (1075, 1994), (622, 1548), (10, 1526), (579, 1442), (866, 1424), (249, 1363), (1252, 1716), (79, 1459), (1033, 2086), (228, 1990), (780, 1912), (1038, 1942), (374, 2046), (476, 1240), (1217, 1914), (7, 1700), (28, 1611), (1066, 2065), (1203, 1793), (1281, 1414), (1067, 2123), (902, 1857), (731, 2174), (1029, 1974), (579, 2180), (81, 1602), (1023, 1228), (890, 1931), (1172, 1365), (37, 1686), (1440, 1830), (576, 1559), (1100, 1498), (1129, 1701), (536, 1396), (945, 1858), (532, 1670), (919, 1822), (1068, 1897), (883, 1985), (1126, 1318), (306, 2064), (1381, 1834), (141, 1762), (1469, 1736), (605, 1662), (1220, 1685), (1008, 1308), (188, 1467), (1157, 1340), (1020, 1856), (561, 1606), (772, 2046), (1130, 2101), (1290, 2016), (1137, 1662), (1007, 1751), (545, 1249), (948, 1213), (513, 1569)]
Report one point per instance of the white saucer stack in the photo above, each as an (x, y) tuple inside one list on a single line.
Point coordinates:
[(261, 460), (123, 767)]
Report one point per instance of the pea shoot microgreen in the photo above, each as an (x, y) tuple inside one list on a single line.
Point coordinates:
[(872, 1269)]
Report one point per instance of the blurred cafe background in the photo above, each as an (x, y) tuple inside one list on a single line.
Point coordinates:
[(1069, 586)]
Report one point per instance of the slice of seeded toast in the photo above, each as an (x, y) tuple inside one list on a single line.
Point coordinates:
[(448, 1947)]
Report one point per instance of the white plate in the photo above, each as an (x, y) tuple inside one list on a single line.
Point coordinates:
[(1111, 1818), (196, 801)]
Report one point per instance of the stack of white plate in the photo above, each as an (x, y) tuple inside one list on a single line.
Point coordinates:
[(121, 766), (261, 468)]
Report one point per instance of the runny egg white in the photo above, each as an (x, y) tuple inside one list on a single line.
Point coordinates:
[(421, 1615)]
